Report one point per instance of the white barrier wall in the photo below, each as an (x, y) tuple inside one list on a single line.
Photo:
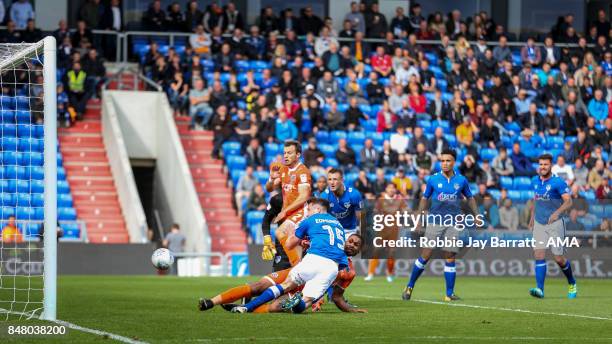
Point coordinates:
[(149, 132), (129, 200)]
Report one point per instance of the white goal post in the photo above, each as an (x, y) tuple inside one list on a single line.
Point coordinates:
[(28, 282)]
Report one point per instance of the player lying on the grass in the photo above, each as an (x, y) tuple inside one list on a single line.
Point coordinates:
[(343, 280), (319, 267), (445, 189), (294, 179), (552, 199)]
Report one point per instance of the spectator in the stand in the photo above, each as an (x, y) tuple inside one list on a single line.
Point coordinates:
[(508, 216), (551, 122), (353, 115), (355, 17), (598, 108), (244, 188), (402, 182), (287, 21), (376, 22), (489, 134), (601, 25), (417, 138), (224, 60), (309, 22), (581, 173), (193, 16), (154, 18), (11, 34), (285, 129), (244, 128), (385, 119), (95, 70), (268, 21), (255, 155), (81, 34), (334, 119), (582, 146), (31, 34), (213, 18), (369, 156), (550, 53), (388, 158), (502, 52), (399, 142), (360, 49), (320, 186), (324, 42), (563, 170), (21, 11), (531, 53), (199, 98), (532, 120), (200, 41), (10, 232), (76, 86), (364, 185), (174, 19), (381, 62), (223, 129), (466, 131), (520, 162), (380, 182), (257, 200), (346, 157), (256, 44), (232, 18), (438, 142), (91, 12), (313, 156), (178, 94), (502, 164), (598, 174), (400, 23), (604, 191), (423, 161), (470, 169), (490, 212)]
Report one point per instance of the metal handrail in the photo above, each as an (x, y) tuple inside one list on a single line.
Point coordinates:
[(138, 75)]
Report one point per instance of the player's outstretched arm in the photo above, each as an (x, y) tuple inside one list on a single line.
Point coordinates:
[(340, 302), (303, 196), (292, 242)]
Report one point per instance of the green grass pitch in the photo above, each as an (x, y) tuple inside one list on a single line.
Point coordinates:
[(163, 310)]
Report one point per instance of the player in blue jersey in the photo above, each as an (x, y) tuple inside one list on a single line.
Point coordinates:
[(446, 189), (345, 202), (552, 200), (319, 267)]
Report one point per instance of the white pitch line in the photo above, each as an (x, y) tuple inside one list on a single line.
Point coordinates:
[(98, 332), (379, 338), (489, 307)]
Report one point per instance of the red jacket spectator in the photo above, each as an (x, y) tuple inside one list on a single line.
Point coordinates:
[(385, 119), (418, 103), (382, 62)]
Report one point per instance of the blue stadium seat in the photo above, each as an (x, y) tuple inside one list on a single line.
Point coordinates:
[(452, 140), (254, 217), (235, 175), (522, 183), (10, 158), (495, 193), (66, 214), (63, 187), (23, 186), (488, 154), (31, 145), (506, 182), (328, 150), (554, 142), (365, 108), (513, 126), (514, 195), (350, 178), (598, 210), (31, 159), (7, 116), (38, 199), (38, 186), (208, 64), (322, 136), (6, 212), (24, 200), (63, 201), (589, 195), (236, 162), (330, 162), (444, 124), (258, 66), (356, 137), (8, 130), (38, 173), (272, 148), (30, 229), (23, 116), (336, 135), (7, 199), (25, 213), (231, 148), (262, 176), (8, 103), (71, 230)]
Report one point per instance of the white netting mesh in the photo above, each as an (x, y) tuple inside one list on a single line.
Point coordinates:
[(21, 180)]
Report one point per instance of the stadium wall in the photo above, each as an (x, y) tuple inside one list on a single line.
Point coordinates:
[(149, 132), (516, 262), (129, 199)]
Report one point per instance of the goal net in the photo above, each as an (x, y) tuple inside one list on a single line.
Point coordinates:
[(28, 174)]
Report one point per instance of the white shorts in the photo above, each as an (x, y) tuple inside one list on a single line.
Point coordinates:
[(543, 233), (316, 273)]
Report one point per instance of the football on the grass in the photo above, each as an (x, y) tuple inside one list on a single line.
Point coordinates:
[(162, 258)]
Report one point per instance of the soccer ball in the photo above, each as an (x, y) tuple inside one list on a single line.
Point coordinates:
[(162, 258)]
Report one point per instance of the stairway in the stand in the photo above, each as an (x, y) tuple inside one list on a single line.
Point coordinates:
[(215, 196), (91, 182)]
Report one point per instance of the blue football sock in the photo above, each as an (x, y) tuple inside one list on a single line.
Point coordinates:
[(417, 270), (540, 272), (330, 293), (268, 295), (567, 271), (299, 308), (449, 275)]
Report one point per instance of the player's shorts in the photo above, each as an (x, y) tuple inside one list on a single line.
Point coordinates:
[(542, 233), (433, 232), (277, 277), (316, 273), (295, 218)]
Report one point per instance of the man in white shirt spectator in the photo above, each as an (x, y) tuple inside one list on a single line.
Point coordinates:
[(405, 72), (563, 170), (508, 216), (399, 142), (200, 41), (324, 41), (244, 188), (21, 11)]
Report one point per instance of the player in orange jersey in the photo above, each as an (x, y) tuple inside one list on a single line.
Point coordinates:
[(343, 280), (294, 179)]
